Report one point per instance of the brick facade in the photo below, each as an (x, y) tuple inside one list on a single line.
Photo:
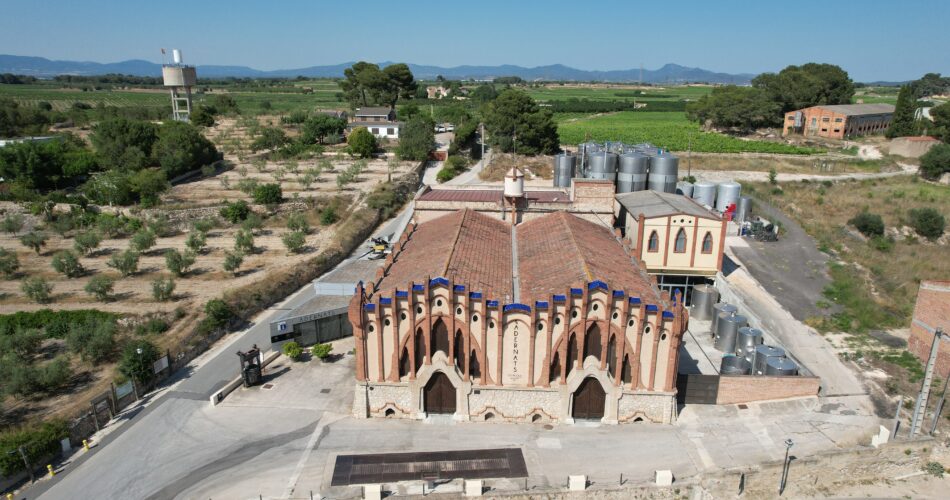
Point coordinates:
[(746, 389), (839, 121), (931, 311)]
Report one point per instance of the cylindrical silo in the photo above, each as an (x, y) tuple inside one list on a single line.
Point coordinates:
[(585, 150), (702, 300), (685, 189), (727, 193), (664, 168), (749, 338), (762, 355), (782, 367), (632, 174), (704, 193), (718, 309), (744, 209), (603, 165), (727, 329), (734, 365), (565, 166)]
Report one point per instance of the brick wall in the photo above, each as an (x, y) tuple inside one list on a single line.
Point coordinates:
[(932, 310), (745, 389)]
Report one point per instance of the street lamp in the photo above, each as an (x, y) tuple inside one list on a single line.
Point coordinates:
[(788, 446)]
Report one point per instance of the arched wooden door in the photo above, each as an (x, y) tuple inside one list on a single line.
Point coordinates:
[(439, 394), (589, 400)]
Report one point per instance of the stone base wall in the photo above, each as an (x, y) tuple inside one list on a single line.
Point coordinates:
[(646, 407), (515, 405)]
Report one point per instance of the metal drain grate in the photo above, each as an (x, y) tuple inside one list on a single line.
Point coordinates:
[(743, 407), (391, 467), (267, 386), (324, 391)]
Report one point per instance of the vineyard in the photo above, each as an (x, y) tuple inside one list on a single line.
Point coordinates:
[(667, 130)]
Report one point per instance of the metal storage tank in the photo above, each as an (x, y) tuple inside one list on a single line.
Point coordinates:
[(718, 309), (727, 193), (704, 193), (685, 189), (565, 165), (632, 175), (782, 367), (703, 298), (584, 150), (744, 209), (664, 168), (727, 329), (603, 165), (615, 147), (762, 355), (748, 339), (734, 365)]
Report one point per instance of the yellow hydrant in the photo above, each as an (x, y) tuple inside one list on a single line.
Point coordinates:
[(51, 471), (9, 496), (85, 445)]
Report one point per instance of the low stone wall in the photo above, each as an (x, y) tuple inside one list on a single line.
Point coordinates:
[(746, 388), (514, 405), (657, 408)]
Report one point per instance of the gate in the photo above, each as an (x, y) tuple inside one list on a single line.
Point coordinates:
[(439, 394), (697, 389), (589, 400)]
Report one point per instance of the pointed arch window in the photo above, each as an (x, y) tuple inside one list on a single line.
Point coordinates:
[(707, 242), (680, 245), (653, 244)]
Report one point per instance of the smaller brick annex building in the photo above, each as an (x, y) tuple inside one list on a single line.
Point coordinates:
[(839, 121), (550, 320)]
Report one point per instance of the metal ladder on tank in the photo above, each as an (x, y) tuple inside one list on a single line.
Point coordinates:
[(921, 405)]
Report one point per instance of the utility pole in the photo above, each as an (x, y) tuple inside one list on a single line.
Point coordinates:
[(26, 462), (482, 125), (689, 156), (921, 406)]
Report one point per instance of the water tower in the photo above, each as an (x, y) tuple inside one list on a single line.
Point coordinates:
[(514, 192), (179, 78)]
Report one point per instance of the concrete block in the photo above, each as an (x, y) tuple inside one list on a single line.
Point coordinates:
[(663, 477), (372, 492), (473, 488), (577, 483), (882, 437)]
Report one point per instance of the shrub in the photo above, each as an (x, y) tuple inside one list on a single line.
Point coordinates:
[(294, 241), (292, 350), (235, 212), (927, 222), (39, 441), (204, 225), (298, 223), (232, 261), (361, 143), (322, 351), (328, 216), (126, 262), (252, 222), (9, 263), (13, 223), (935, 162), (68, 264), (24, 342), (445, 174), (160, 226), (94, 342), (219, 312), (137, 359), (54, 375), (178, 262), (934, 469), (882, 243), (86, 241), (163, 289), (196, 241), (35, 241), (152, 326), (37, 289), (142, 241), (244, 241), (868, 224), (100, 287), (268, 194)]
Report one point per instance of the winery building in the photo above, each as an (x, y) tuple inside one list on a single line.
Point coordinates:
[(839, 121), (484, 318)]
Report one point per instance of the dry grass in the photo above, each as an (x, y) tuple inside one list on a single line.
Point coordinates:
[(534, 167), (814, 165)]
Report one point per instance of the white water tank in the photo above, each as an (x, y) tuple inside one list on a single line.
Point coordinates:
[(176, 56), (514, 183)]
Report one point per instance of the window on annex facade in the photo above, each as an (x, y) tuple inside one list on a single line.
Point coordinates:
[(653, 245), (390, 131), (680, 245), (707, 242)]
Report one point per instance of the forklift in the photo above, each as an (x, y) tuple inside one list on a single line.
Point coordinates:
[(251, 370)]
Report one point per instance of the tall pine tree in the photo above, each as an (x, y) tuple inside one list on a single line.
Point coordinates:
[(903, 123)]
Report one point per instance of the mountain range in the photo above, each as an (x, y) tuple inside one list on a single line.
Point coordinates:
[(670, 73)]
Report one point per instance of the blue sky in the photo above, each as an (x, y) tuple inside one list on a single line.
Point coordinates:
[(871, 39)]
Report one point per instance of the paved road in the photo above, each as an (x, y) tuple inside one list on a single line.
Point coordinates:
[(146, 434)]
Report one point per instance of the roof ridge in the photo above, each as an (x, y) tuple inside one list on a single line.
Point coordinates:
[(455, 241), (577, 249)]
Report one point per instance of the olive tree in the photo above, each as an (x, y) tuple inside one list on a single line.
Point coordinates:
[(68, 264)]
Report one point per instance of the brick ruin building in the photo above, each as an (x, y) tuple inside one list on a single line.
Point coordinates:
[(549, 320)]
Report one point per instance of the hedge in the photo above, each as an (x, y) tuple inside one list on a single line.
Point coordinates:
[(55, 323), (40, 441)]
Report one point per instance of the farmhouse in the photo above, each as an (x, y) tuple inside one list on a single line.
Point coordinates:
[(380, 121), (549, 320), (839, 121)]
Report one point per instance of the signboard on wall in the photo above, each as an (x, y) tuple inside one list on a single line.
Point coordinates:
[(515, 349)]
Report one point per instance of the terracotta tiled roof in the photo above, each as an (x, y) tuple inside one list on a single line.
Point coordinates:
[(555, 252)]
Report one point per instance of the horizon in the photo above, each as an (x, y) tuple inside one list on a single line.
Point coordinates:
[(301, 34)]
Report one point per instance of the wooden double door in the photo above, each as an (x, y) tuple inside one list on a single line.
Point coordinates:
[(439, 394), (589, 400)]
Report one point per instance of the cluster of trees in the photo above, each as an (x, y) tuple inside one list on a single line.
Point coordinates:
[(515, 123), (926, 222), (772, 95), (365, 84)]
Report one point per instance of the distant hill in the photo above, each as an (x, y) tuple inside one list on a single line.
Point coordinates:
[(670, 73)]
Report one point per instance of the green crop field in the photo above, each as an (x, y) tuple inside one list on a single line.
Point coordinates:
[(61, 99), (673, 93), (667, 130)]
